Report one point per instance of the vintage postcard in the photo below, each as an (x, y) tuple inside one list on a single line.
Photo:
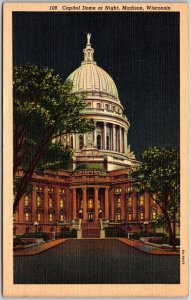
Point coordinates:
[(95, 149)]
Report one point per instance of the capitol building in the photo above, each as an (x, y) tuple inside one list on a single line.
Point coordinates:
[(96, 190)]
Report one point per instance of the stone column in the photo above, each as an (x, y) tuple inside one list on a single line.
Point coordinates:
[(113, 137), (104, 135), (122, 206), (21, 209), (134, 197), (84, 198), (33, 203), (57, 202), (147, 206), (74, 204), (125, 141), (68, 204), (74, 141), (106, 203), (84, 140), (95, 136), (120, 140), (96, 190), (112, 209), (45, 200)]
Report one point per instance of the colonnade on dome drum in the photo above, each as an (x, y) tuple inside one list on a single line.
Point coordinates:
[(106, 136)]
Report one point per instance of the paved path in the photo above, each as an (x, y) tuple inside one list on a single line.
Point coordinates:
[(95, 261)]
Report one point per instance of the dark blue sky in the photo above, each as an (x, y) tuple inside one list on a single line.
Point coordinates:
[(139, 50)]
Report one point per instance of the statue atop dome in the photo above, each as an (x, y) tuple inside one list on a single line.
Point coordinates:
[(88, 52), (88, 38)]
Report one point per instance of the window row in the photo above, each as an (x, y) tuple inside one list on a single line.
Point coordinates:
[(39, 202), (141, 216), (106, 106), (27, 217), (141, 201), (90, 204)]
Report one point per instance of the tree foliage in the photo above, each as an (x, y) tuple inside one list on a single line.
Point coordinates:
[(44, 109), (159, 174)]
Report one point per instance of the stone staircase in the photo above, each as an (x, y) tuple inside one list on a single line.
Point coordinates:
[(91, 230)]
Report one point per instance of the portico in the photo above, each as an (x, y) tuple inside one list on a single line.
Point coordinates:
[(90, 203)]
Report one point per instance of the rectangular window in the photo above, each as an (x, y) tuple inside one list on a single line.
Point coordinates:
[(118, 217), (130, 201), (129, 189), (98, 105), (50, 217), (26, 200), (107, 107), (26, 216), (141, 200), (129, 217), (117, 190), (38, 217), (50, 202), (154, 214), (141, 216), (118, 202), (61, 191), (39, 201), (61, 203)]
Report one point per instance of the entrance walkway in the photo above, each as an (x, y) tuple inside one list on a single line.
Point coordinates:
[(96, 261)]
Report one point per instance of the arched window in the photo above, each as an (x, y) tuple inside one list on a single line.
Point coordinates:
[(81, 142), (50, 202), (99, 141), (39, 201), (61, 217), (71, 142), (107, 142), (90, 203)]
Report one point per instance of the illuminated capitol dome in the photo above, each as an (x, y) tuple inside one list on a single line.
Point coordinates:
[(107, 146)]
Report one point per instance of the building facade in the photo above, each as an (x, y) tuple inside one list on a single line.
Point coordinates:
[(97, 186)]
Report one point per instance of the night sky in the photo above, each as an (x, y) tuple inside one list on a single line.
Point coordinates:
[(140, 51)]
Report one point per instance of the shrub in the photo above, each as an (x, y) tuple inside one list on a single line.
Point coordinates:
[(114, 232), (36, 235), (72, 233), (137, 235), (17, 241)]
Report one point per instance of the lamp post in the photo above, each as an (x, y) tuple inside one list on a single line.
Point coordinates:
[(80, 213), (36, 226), (145, 224)]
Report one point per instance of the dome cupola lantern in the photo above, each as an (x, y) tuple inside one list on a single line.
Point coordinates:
[(88, 52)]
